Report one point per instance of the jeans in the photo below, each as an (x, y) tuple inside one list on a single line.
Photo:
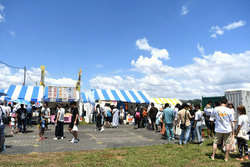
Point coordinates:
[(29, 119), (2, 139), (169, 129), (2, 130), (242, 144), (198, 130), (192, 131), (138, 122), (145, 121), (23, 122), (59, 129), (185, 131)]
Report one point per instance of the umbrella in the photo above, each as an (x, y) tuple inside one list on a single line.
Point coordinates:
[(20, 101)]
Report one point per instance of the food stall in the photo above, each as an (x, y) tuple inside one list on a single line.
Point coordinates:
[(127, 99), (54, 95), (37, 94)]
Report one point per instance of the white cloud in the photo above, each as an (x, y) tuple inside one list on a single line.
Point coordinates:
[(216, 30), (99, 65), (12, 33), (208, 75), (184, 10), (1, 8), (2, 18), (235, 25), (201, 49), (154, 63), (8, 77)]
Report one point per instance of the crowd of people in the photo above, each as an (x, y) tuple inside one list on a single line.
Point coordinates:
[(187, 122), (184, 122), (108, 116), (20, 115)]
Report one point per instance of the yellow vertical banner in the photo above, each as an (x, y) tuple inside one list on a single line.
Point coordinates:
[(42, 82), (78, 83)]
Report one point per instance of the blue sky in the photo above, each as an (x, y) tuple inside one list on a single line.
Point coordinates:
[(99, 36)]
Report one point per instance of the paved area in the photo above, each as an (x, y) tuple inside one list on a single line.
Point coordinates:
[(124, 136)]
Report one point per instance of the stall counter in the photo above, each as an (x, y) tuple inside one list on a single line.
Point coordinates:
[(67, 118)]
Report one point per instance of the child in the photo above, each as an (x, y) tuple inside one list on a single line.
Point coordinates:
[(42, 126), (243, 124), (12, 122)]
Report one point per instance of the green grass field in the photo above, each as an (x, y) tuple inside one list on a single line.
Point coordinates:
[(162, 155)]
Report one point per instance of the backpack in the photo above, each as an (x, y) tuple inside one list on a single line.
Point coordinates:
[(23, 116), (4, 117), (137, 115)]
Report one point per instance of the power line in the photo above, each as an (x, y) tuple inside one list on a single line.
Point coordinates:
[(11, 65), (30, 77)]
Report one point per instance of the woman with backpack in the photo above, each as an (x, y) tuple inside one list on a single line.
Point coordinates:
[(138, 115), (98, 118)]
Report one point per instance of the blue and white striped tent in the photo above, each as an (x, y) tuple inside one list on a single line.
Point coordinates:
[(2, 91), (29, 93), (121, 95), (84, 97), (32, 93)]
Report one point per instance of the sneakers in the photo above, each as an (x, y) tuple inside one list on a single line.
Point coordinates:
[(55, 138), (246, 158), (74, 141), (240, 159), (62, 137), (40, 138)]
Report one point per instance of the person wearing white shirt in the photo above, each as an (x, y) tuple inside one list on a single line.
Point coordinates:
[(46, 110), (60, 121), (223, 127), (197, 122), (243, 124), (122, 115), (208, 110), (176, 109), (2, 126)]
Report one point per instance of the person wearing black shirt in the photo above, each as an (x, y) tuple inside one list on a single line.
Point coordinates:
[(73, 127), (192, 132), (152, 114), (21, 118)]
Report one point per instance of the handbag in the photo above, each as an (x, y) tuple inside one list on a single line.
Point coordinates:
[(4, 117), (243, 135), (183, 126)]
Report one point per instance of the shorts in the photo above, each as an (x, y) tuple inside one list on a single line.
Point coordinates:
[(225, 136), (12, 127), (203, 127), (208, 124), (108, 119), (71, 125), (41, 130)]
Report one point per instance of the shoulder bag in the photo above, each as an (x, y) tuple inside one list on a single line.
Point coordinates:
[(183, 126)]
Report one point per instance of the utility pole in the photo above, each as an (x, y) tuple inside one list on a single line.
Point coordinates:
[(24, 78)]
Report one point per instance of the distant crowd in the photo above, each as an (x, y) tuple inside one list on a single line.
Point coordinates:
[(186, 122), (20, 115)]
